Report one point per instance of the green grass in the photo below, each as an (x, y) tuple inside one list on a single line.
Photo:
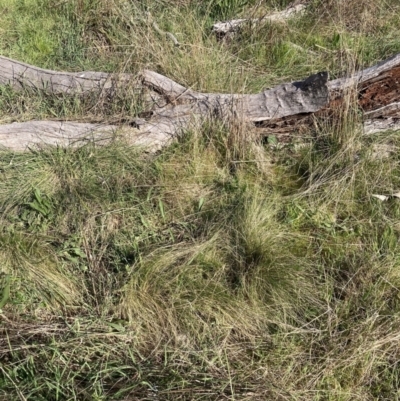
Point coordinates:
[(221, 267)]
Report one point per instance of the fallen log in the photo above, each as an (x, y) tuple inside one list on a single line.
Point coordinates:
[(37, 134), (21, 75), (229, 28), (53, 133), (282, 111)]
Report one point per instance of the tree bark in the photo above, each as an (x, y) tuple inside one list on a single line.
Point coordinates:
[(282, 111)]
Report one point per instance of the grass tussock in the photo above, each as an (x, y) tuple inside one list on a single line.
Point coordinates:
[(222, 267)]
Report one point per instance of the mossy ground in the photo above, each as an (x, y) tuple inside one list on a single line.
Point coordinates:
[(219, 268)]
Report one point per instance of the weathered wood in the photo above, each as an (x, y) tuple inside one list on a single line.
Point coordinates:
[(379, 125), (19, 136), (385, 70), (21, 75), (305, 96), (32, 134), (221, 29), (281, 111)]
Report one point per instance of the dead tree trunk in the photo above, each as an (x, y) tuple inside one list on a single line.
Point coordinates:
[(280, 111), (20, 75), (229, 28)]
